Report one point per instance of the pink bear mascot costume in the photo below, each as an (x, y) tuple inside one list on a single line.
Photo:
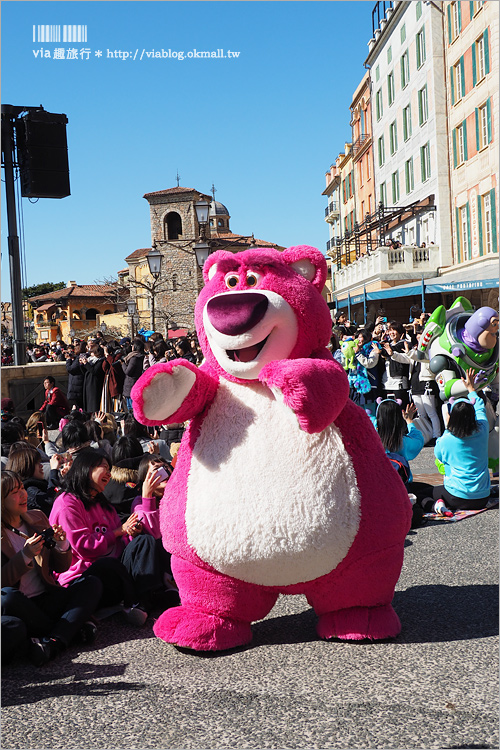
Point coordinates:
[(281, 483)]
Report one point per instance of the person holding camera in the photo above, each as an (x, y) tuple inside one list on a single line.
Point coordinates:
[(395, 378), (32, 552), (25, 460)]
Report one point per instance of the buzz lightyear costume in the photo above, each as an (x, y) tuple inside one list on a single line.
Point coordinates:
[(449, 341)]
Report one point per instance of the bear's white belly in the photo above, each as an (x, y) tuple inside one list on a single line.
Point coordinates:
[(266, 502)]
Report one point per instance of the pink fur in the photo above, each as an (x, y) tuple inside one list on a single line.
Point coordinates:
[(353, 600)]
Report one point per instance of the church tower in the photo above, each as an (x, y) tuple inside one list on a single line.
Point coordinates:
[(174, 231)]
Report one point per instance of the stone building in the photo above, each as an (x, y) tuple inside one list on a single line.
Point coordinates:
[(175, 231)]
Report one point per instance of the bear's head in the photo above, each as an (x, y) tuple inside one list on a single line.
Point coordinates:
[(259, 306)]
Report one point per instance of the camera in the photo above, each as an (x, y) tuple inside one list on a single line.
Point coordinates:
[(48, 538)]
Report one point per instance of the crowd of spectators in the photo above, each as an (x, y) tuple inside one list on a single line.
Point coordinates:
[(80, 506)]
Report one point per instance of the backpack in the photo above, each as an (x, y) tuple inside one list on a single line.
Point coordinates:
[(401, 465)]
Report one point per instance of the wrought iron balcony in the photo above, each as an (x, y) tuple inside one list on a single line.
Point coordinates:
[(359, 143)]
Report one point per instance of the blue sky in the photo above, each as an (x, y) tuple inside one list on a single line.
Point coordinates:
[(264, 127)]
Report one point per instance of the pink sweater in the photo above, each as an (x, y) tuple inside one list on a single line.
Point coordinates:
[(90, 533), (148, 512)]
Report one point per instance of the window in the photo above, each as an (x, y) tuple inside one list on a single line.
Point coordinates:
[(483, 126), (378, 104), (425, 161), (423, 110), (360, 172), (381, 151), (480, 58), (409, 175), (173, 226), (407, 122), (390, 88), (458, 81), (383, 193), (174, 282), (377, 73), (420, 45), (389, 56), (459, 145), (419, 10), (487, 233), (403, 33), (405, 69), (456, 21), (368, 167), (476, 6), (393, 137), (395, 186)]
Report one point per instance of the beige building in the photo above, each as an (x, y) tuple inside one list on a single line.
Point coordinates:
[(75, 310), (471, 54)]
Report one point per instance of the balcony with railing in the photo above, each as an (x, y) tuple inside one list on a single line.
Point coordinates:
[(332, 211), (359, 143), (386, 263)]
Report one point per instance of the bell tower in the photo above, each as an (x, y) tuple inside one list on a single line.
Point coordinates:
[(174, 231)]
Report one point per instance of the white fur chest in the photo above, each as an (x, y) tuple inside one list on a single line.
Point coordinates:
[(266, 502)]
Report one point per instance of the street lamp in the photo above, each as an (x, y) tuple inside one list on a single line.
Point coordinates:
[(202, 208), (131, 310), (202, 251), (154, 258)]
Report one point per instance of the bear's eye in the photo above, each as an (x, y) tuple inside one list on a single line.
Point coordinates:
[(232, 280), (253, 278)]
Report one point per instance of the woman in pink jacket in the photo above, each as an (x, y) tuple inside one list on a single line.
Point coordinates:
[(102, 545)]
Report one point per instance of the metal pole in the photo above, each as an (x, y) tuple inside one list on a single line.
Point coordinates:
[(152, 292), (423, 294), (19, 342)]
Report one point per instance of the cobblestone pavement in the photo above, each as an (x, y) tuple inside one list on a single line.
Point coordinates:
[(435, 686)]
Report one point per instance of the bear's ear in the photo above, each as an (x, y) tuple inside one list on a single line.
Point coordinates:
[(210, 267), (307, 262)]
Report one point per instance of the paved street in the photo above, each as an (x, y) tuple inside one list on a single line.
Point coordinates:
[(436, 686)]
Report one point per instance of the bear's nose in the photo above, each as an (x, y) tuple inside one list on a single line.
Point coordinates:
[(234, 314)]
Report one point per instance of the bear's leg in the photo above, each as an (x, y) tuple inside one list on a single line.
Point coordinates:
[(216, 611), (354, 601)]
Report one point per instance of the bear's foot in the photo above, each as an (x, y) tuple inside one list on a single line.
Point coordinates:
[(200, 631), (360, 623)]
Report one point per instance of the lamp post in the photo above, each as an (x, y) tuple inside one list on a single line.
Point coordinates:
[(131, 310), (154, 258)]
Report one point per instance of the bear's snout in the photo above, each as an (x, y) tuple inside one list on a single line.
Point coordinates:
[(234, 314)]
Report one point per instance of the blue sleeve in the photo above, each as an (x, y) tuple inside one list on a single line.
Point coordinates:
[(413, 442), (480, 409)]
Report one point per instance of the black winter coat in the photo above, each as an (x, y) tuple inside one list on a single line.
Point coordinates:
[(76, 375), (133, 368), (92, 385)]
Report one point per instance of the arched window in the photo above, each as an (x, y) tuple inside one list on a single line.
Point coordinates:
[(173, 226), (174, 282), (91, 314), (39, 319), (108, 312)]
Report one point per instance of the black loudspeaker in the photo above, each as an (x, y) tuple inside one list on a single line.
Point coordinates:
[(42, 152)]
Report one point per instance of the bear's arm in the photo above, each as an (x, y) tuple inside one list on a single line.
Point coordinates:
[(172, 392), (315, 389)]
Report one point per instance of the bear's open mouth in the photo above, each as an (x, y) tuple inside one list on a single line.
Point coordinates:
[(247, 354)]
